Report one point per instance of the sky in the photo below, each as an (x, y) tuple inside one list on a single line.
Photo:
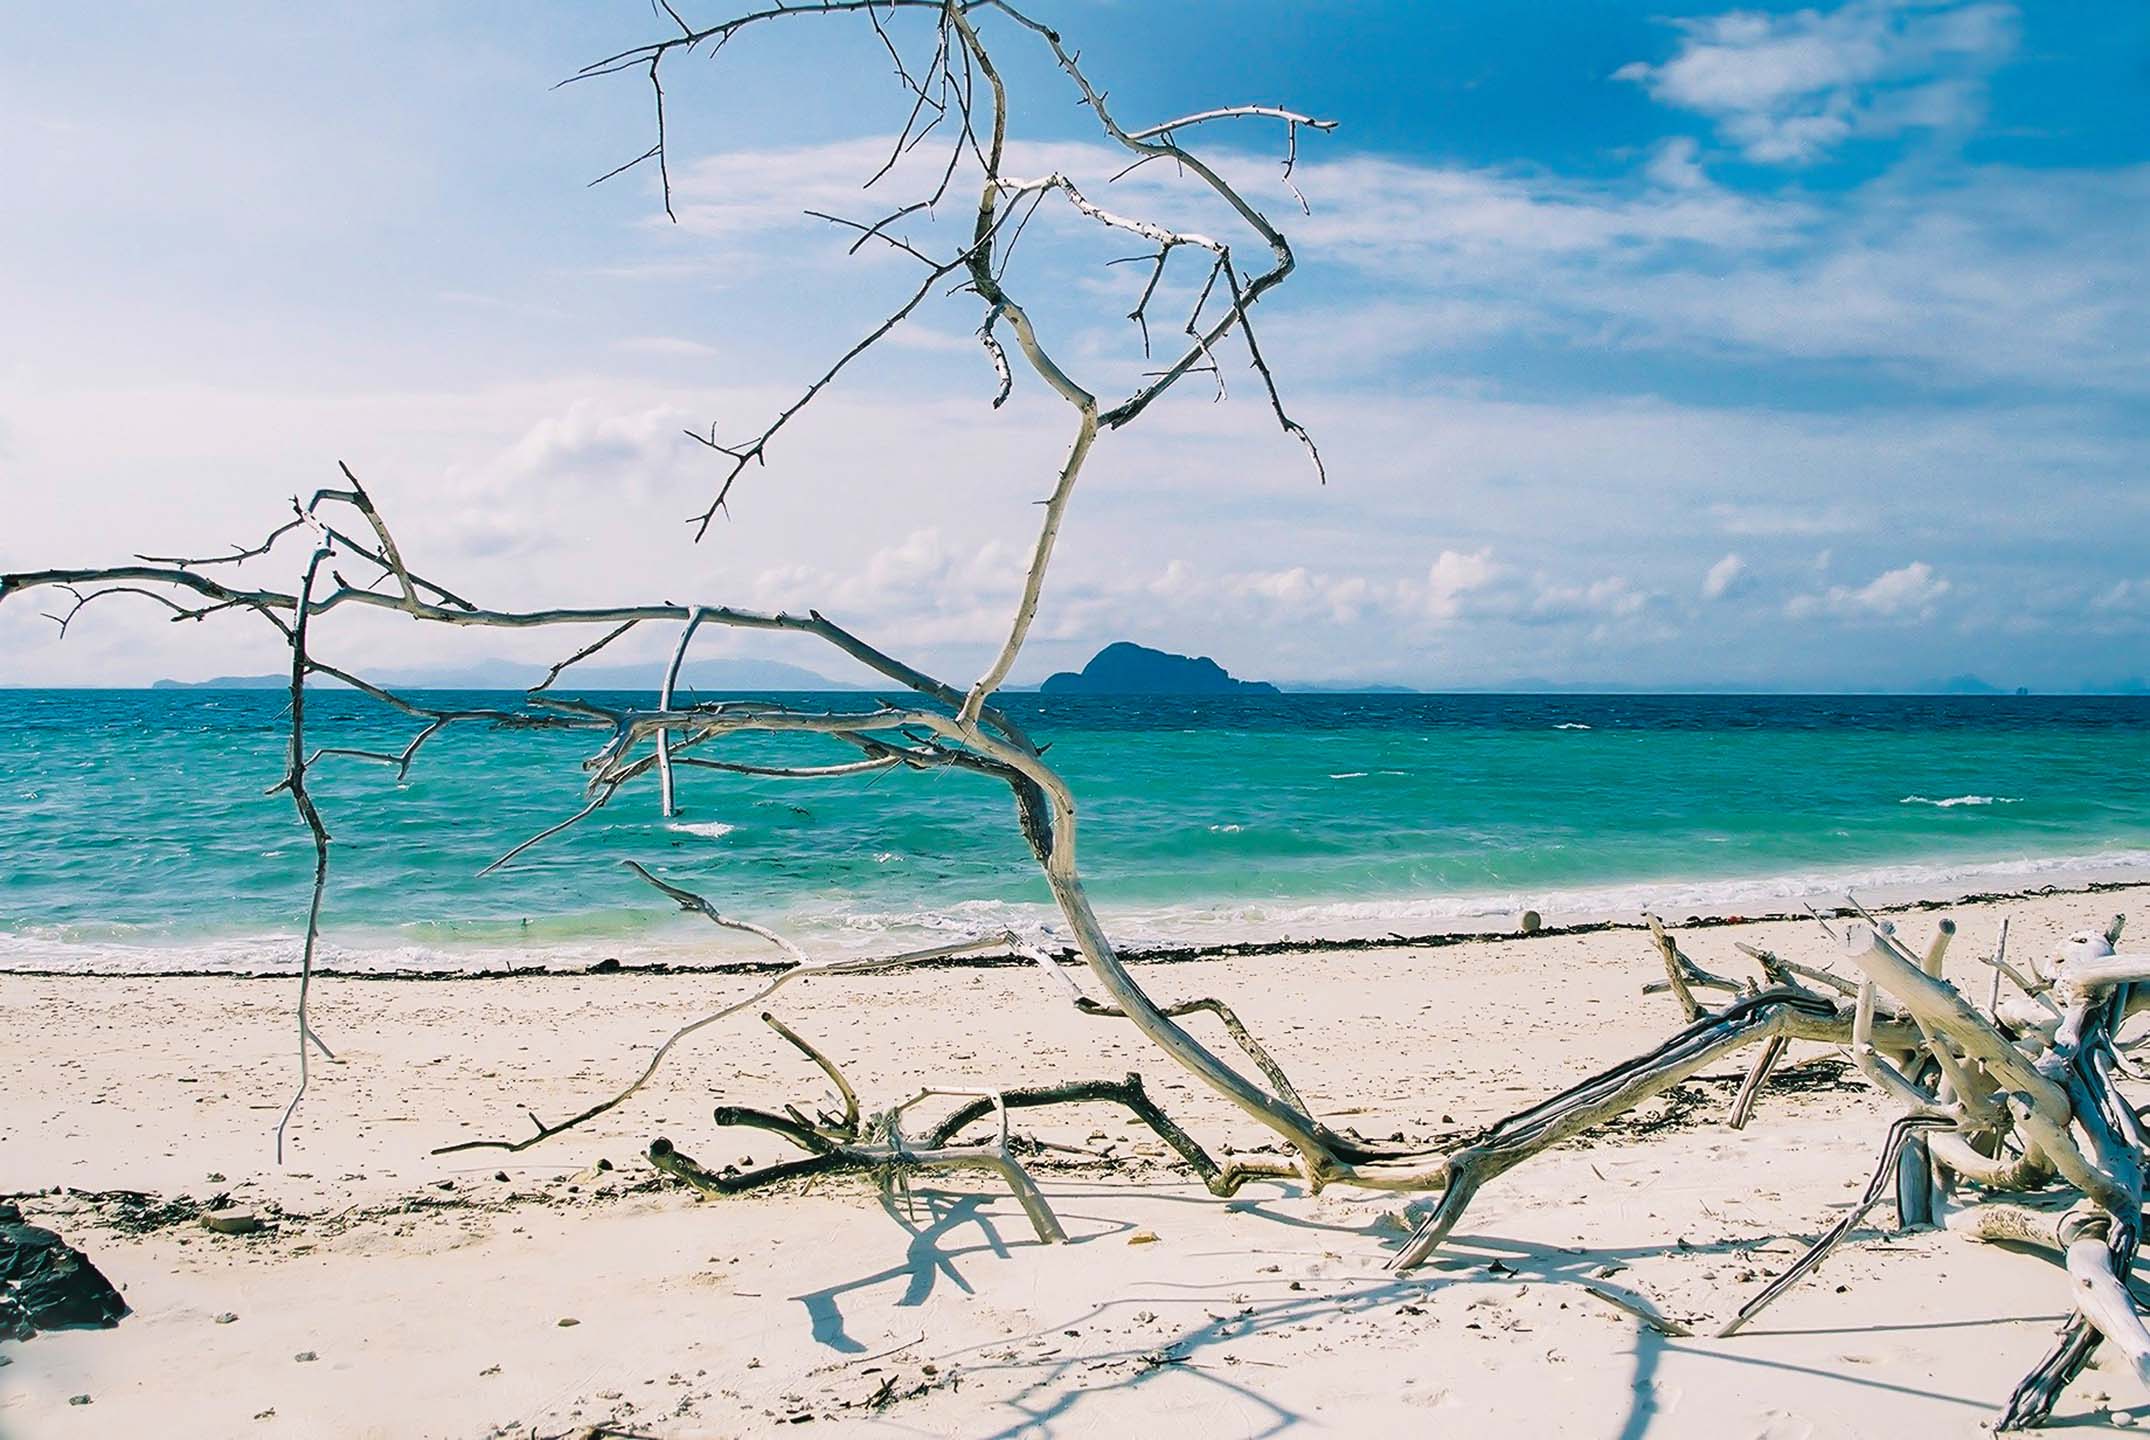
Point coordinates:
[(1657, 345)]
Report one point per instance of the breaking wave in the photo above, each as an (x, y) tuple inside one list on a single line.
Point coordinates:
[(575, 944), (712, 829)]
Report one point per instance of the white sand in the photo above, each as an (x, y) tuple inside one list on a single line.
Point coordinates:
[(434, 1311)]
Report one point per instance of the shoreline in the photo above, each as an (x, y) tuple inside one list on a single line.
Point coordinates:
[(1134, 954)]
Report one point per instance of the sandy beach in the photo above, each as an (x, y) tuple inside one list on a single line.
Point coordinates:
[(393, 1293)]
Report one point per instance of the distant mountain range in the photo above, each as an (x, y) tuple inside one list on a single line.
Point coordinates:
[(1959, 685), (1952, 685), (754, 675), (1122, 668)]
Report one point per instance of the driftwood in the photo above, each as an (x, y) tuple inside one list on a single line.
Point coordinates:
[(2002, 1104), (881, 1149)]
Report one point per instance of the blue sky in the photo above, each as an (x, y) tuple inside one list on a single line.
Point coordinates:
[(1651, 344)]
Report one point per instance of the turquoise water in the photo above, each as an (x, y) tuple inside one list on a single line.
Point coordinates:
[(134, 829)]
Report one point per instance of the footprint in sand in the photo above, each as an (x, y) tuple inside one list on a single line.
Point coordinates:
[(1439, 1397), (1783, 1425)]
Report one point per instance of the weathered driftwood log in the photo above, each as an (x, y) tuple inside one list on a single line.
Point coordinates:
[(1768, 1016), (2048, 1094), (872, 1150)]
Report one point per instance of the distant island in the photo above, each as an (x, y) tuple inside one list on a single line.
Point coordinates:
[(1959, 685), (1125, 668)]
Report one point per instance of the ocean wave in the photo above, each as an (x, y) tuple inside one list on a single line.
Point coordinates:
[(711, 829), (566, 947), (1242, 921), (829, 924), (1273, 920), (1350, 775), (1953, 801), (1571, 725)]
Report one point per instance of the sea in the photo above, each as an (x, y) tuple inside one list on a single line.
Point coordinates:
[(137, 833)]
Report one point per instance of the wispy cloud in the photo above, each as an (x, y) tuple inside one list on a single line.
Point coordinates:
[(1991, 274), (1907, 593), (1791, 88), (1725, 578), (1975, 276)]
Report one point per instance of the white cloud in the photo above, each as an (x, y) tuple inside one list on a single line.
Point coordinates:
[(1789, 88), (1913, 589), (1982, 274), (2124, 598), (1724, 578), (1452, 222), (1675, 165), (927, 587), (1611, 598), (1293, 587), (2030, 275), (1453, 578), (1987, 274), (1907, 593), (1299, 593)]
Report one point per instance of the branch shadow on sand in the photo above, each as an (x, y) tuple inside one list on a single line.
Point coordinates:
[(1051, 1390)]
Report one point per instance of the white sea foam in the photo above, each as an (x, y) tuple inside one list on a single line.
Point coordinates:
[(64, 949), (1275, 920), (829, 923), (1350, 775), (1571, 725), (712, 829), (1955, 800)]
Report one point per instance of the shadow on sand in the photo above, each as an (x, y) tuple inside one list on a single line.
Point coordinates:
[(1050, 1388)]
